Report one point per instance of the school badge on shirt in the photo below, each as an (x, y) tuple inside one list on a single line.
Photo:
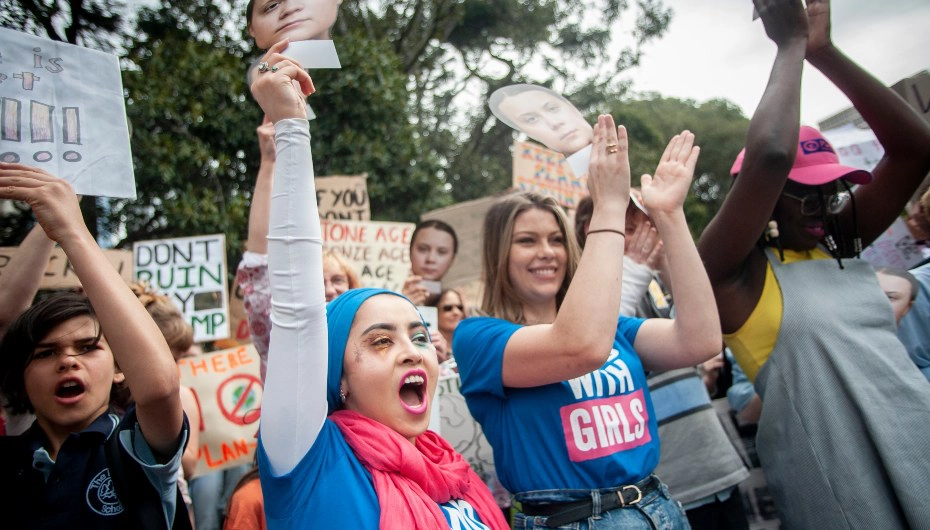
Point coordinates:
[(101, 495)]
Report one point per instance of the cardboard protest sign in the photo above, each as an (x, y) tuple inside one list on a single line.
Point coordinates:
[(191, 271), (467, 219), (894, 248), (229, 395), (62, 110), (916, 91), (238, 320), (544, 171), (60, 274), (461, 430), (343, 197), (378, 250)]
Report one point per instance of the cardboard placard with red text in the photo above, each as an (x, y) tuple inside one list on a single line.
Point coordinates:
[(228, 389), (546, 172), (378, 250)]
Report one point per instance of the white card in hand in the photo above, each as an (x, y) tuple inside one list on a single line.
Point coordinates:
[(313, 54)]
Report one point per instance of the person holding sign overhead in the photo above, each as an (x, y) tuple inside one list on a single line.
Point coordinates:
[(344, 440), (556, 381), (844, 434), (62, 359)]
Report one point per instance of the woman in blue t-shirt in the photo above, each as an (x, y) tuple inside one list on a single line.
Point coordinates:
[(555, 379)]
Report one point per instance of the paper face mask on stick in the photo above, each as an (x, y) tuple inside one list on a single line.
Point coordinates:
[(306, 23), (546, 117)]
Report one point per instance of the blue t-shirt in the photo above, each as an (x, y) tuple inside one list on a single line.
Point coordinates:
[(594, 431), (330, 488)]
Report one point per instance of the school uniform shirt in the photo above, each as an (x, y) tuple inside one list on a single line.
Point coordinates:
[(594, 431), (75, 490)]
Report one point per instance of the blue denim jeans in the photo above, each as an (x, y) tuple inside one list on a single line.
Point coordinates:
[(657, 511)]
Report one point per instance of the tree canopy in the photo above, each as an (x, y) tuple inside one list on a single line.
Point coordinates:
[(408, 107)]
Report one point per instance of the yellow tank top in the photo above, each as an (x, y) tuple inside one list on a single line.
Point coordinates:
[(754, 341)]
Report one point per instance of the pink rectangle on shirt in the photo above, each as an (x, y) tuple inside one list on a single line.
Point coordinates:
[(605, 426)]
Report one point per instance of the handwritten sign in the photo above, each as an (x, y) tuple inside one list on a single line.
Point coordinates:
[(344, 198), (544, 171), (192, 272), (894, 248), (229, 394), (238, 320), (461, 430), (60, 274), (61, 109), (379, 250), (855, 147)]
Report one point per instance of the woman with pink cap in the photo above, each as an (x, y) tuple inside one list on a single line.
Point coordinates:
[(844, 435)]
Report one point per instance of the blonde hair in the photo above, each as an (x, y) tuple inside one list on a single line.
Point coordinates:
[(335, 259), (178, 333), (500, 298)]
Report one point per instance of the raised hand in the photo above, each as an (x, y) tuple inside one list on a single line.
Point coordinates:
[(818, 22), (644, 246), (666, 190), (609, 168), (784, 20), (414, 290), (281, 85), (52, 199)]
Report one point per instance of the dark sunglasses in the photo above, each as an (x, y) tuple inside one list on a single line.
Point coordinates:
[(448, 307)]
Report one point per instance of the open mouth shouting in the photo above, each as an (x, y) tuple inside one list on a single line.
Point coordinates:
[(69, 391), (413, 391)]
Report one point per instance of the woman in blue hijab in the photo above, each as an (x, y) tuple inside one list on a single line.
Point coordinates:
[(344, 439)]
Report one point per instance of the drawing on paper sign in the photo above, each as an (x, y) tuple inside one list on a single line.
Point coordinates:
[(239, 399), (65, 118)]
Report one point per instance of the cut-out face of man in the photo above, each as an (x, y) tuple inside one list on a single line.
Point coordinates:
[(544, 116), (271, 21)]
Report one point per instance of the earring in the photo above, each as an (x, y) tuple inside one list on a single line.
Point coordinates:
[(771, 232), (342, 395), (771, 236)]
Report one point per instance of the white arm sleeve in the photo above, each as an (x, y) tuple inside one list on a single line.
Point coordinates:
[(636, 278), (294, 402)]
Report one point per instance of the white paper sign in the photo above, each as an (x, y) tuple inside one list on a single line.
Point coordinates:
[(191, 271), (62, 110), (461, 430), (856, 147), (895, 248)]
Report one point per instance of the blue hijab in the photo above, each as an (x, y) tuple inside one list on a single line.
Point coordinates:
[(340, 314)]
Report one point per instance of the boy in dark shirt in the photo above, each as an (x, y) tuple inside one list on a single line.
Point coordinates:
[(61, 359)]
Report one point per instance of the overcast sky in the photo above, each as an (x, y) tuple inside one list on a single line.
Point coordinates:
[(713, 48)]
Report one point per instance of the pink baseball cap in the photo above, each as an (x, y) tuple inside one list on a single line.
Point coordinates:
[(816, 162)]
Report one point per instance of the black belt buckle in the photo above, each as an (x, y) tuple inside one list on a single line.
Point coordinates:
[(624, 497)]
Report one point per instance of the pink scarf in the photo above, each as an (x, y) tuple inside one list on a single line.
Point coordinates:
[(411, 480)]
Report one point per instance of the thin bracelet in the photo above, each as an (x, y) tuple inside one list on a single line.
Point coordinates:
[(606, 230)]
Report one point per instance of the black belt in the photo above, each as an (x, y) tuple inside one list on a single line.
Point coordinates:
[(562, 513)]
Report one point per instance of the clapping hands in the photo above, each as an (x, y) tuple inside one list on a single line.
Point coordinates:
[(666, 190)]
